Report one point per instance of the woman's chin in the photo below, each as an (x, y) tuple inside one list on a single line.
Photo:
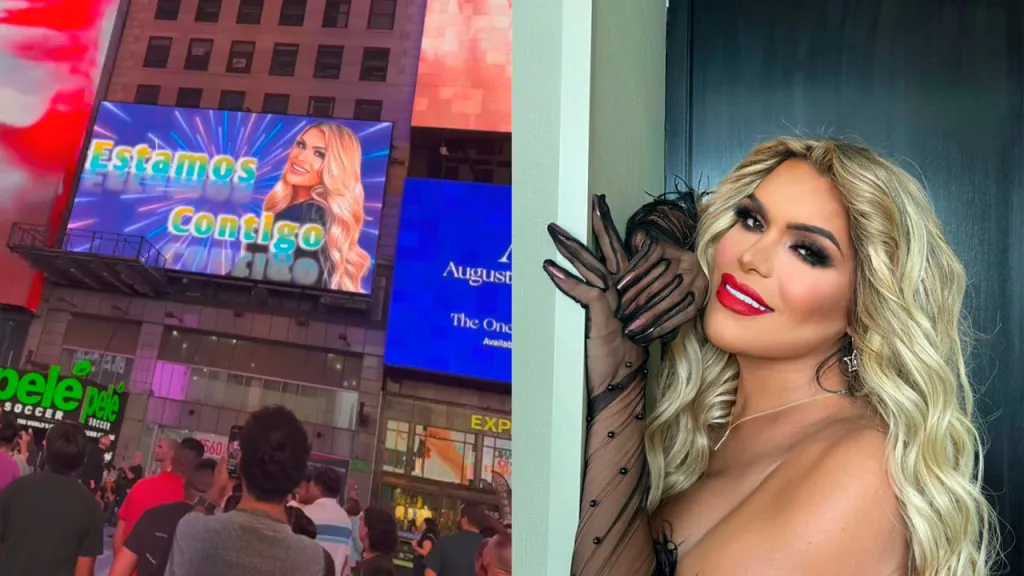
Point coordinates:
[(725, 331)]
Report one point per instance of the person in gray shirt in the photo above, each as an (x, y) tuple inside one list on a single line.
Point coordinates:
[(254, 539)]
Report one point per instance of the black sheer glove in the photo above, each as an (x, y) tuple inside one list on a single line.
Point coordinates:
[(613, 537), (664, 286)]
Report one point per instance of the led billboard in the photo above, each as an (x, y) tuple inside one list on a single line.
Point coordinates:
[(283, 199), (464, 79), (451, 291), (51, 57)]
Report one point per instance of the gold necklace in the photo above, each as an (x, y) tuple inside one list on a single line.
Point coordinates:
[(779, 409)]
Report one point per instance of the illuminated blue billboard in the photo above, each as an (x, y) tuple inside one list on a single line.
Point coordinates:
[(451, 294)]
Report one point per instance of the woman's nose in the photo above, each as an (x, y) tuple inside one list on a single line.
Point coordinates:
[(759, 258)]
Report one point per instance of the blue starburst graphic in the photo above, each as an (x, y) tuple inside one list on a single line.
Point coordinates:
[(138, 203)]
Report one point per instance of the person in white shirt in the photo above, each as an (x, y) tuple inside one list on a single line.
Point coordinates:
[(319, 500), (355, 512)]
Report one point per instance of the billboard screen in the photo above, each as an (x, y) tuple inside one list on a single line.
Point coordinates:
[(451, 293), (465, 70), (55, 50), (284, 199)]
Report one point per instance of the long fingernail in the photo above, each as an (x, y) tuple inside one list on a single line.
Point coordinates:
[(627, 309), (634, 327), (551, 268)]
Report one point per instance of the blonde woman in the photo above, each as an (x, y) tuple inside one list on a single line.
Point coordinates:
[(817, 418), (322, 183)]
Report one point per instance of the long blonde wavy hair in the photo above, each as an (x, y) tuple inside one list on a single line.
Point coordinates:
[(341, 195), (910, 337)]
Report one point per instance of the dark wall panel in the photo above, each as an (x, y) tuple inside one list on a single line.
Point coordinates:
[(934, 84)]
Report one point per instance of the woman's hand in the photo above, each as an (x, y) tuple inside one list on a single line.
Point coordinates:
[(609, 353), (662, 289), (613, 536)]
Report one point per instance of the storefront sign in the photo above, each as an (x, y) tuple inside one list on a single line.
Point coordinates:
[(490, 424), (41, 400), (215, 446)]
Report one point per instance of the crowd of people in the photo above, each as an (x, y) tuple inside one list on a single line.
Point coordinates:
[(193, 518)]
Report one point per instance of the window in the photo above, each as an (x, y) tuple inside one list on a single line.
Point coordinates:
[(375, 64), (336, 13), (198, 57), (328, 62), (497, 458), (293, 13), (444, 455), (147, 94), (208, 11), (451, 172), (240, 57), (236, 391), (249, 12), (368, 110), (295, 363), (382, 15), (107, 369), (189, 97), (321, 106), (167, 9), (282, 61), (231, 100), (396, 446), (483, 174), (158, 52), (275, 103)]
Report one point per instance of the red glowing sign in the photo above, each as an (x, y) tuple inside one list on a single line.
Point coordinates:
[(51, 56), (465, 70)]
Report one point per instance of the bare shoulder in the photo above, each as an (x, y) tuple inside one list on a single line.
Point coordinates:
[(840, 512), (847, 465)]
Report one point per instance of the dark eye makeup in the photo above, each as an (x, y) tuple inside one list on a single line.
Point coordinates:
[(808, 251)]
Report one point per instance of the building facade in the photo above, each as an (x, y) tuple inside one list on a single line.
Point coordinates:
[(202, 354), (439, 445), (335, 58), (191, 368)]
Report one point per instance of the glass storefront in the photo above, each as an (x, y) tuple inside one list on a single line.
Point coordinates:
[(244, 375), (444, 455), (431, 467), (247, 393), (497, 458)]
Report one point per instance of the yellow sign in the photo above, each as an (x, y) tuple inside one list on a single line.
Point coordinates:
[(490, 424)]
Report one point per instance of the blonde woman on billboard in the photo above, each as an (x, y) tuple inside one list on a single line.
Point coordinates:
[(322, 183), (817, 417)]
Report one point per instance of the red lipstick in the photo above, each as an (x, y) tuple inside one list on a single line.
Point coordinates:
[(740, 298)]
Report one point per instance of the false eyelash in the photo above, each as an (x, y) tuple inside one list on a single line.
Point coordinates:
[(809, 252), (744, 213)]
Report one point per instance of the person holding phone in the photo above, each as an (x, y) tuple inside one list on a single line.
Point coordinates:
[(255, 538)]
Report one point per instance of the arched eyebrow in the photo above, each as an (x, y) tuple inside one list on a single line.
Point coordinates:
[(799, 226)]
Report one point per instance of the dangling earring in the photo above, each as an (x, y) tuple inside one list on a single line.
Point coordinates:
[(851, 362)]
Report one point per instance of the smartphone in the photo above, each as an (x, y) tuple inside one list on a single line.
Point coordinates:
[(234, 450)]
